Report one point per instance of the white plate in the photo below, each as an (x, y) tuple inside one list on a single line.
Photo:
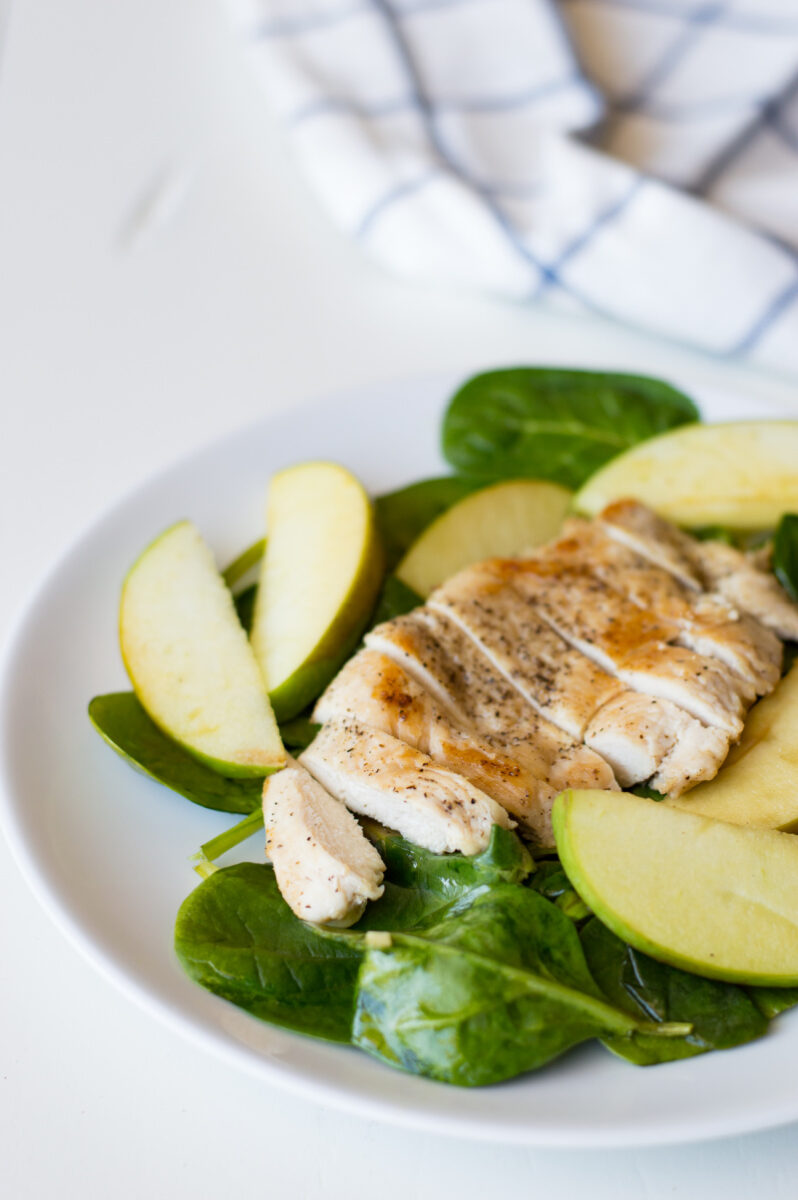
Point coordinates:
[(106, 850)]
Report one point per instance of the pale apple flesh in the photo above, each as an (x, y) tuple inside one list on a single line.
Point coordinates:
[(495, 522), (319, 580), (189, 660), (716, 899), (758, 783), (740, 474)]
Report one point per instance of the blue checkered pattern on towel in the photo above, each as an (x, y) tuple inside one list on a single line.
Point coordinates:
[(637, 158)]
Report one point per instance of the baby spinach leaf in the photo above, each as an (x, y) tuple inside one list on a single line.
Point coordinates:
[(241, 566), (122, 722), (721, 1014), (504, 860), (715, 533), (562, 425), (298, 733), (237, 937), (552, 882), (395, 599), (648, 793), (406, 513), (773, 1000), (785, 554), (420, 886), (497, 987), (245, 606)]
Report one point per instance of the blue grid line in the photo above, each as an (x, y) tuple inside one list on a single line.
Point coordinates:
[(441, 151), (767, 26), (408, 188), (703, 19), (547, 274), (604, 218), (740, 144), (777, 121), (774, 310)]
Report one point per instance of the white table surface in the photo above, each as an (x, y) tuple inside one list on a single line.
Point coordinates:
[(125, 340)]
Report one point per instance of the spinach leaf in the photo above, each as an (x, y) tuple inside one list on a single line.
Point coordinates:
[(299, 732), (122, 722), (497, 987), (773, 1000), (245, 606), (552, 882), (785, 554), (480, 979), (240, 566), (237, 937), (648, 793), (420, 885), (395, 599), (715, 533), (406, 513), (721, 1014), (554, 424)]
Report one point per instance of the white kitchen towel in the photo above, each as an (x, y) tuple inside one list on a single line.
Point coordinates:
[(637, 158)]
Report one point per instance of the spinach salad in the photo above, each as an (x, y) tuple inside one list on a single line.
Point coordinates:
[(467, 970)]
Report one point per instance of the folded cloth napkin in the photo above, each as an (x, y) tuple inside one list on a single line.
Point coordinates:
[(637, 158)]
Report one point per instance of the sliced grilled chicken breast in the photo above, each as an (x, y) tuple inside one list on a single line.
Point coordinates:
[(451, 665), (325, 866), (748, 588), (563, 684), (652, 537), (635, 733), (707, 624), (633, 644), (713, 566), (648, 738), (378, 776), (379, 693)]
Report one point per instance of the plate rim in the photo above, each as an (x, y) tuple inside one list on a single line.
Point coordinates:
[(189, 1024)]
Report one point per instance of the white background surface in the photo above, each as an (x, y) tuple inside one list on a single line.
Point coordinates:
[(123, 344)]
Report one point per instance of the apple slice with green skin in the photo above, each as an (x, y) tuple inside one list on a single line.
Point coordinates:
[(742, 474), (494, 522), (319, 580), (716, 899), (189, 660), (758, 783)]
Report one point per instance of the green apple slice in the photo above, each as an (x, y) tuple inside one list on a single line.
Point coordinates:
[(743, 474), (497, 521), (717, 899), (758, 783), (319, 580), (189, 660)]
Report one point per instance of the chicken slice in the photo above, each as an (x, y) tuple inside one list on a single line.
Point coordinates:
[(374, 690), (707, 624), (449, 664), (748, 588), (563, 684), (653, 538), (633, 644), (378, 776), (325, 866), (710, 565), (630, 732), (644, 738)]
